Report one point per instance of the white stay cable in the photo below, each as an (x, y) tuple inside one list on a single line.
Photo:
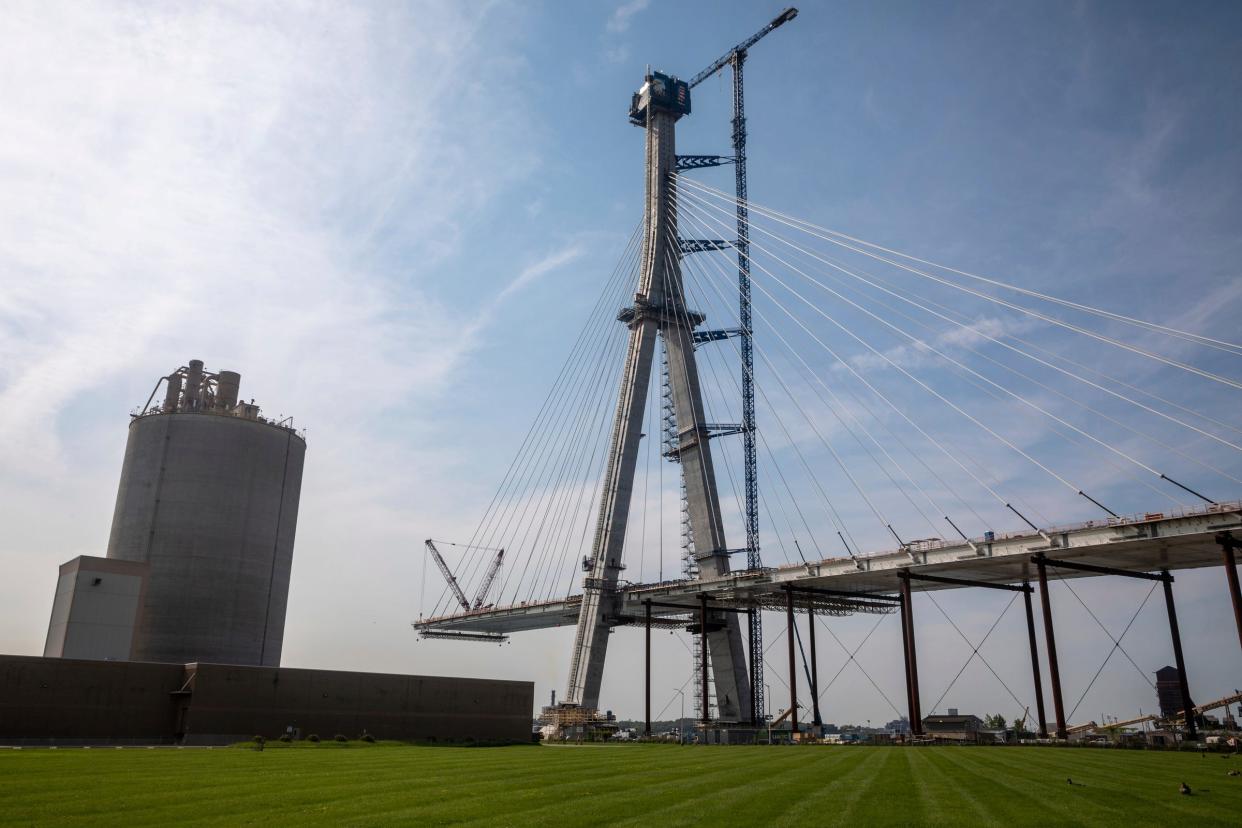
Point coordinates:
[(896, 408), (927, 346), (838, 522), (983, 334), (1000, 438), (1067, 397), (1020, 308), (835, 410)]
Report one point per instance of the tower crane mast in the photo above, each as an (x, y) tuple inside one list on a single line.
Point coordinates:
[(735, 57)]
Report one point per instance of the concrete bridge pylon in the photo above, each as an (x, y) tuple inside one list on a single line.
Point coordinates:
[(659, 310)]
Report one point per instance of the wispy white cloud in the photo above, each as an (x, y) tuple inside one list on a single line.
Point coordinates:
[(537, 270), (276, 193), (622, 15)]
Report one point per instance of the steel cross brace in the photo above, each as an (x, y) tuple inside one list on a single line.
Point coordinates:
[(1026, 590), (697, 162), (1042, 561), (840, 593), (943, 579), (688, 246), (1099, 570)]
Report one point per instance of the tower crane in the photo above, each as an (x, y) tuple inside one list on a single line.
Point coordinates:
[(735, 57), (740, 49)]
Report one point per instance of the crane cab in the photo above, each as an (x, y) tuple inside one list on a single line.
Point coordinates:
[(660, 91)]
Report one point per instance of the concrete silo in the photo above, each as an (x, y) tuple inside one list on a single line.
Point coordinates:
[(208, 499)]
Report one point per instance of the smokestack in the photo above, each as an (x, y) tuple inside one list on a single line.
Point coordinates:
[(173, 394), (228, 383), (194, 385)]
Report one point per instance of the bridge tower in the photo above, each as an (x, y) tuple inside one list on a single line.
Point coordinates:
[(659, 309)]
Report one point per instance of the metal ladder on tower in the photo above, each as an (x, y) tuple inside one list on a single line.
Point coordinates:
[(689, 566)]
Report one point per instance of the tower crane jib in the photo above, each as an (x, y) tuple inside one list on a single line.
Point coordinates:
[(727, 58)]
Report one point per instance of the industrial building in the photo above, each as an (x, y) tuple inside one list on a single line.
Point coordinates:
[(953, 726), (201, 548), (1169, 692), (46, 701), (175, 636)]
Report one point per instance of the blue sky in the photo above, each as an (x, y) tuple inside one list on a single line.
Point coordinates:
[(389, 218)]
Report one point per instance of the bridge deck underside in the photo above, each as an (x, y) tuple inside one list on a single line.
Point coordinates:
[(1187, 542)]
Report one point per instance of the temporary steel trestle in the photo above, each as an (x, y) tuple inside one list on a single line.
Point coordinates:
[(659, 310), (1145, 547), (1042, 562)]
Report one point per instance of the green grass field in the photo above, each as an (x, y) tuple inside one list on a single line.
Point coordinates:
[(621, 784)]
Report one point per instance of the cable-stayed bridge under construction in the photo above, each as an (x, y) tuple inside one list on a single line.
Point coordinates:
[(879, 392)]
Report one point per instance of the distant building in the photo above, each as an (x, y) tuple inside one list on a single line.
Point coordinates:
[(953, 727), (1169, 692), (897, 726), (844, 737)]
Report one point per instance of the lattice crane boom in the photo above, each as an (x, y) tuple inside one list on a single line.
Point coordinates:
[(492, 571), (448, 575)]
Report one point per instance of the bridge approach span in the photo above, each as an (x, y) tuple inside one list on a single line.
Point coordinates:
[(1145, 543)]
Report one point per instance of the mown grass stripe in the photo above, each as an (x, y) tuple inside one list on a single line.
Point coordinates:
[(617, 785)]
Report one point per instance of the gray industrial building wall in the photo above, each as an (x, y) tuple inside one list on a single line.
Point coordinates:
[(46, 700), (96, 609), (236, 703), (210, 502), (66, 701)]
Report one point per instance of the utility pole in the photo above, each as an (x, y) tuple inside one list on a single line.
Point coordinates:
[(735, 58)]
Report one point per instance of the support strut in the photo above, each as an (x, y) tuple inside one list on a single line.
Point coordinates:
[(1228, 543), (815, 720), (1054, 669), (912, 662), (793, 664), (647, 671), (707, 713), (1188, 707), (1039, 685)]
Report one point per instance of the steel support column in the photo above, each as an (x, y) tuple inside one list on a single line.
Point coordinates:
[(905, 659), (707, 713), (1227, 545), (756, 672), (912, 661), (1054, 670), (1188, 707), (810, 621), (793, 662), (647, 671), (1039, 685)]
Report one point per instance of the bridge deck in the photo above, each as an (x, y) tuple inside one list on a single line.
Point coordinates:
[(1146, 543)]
